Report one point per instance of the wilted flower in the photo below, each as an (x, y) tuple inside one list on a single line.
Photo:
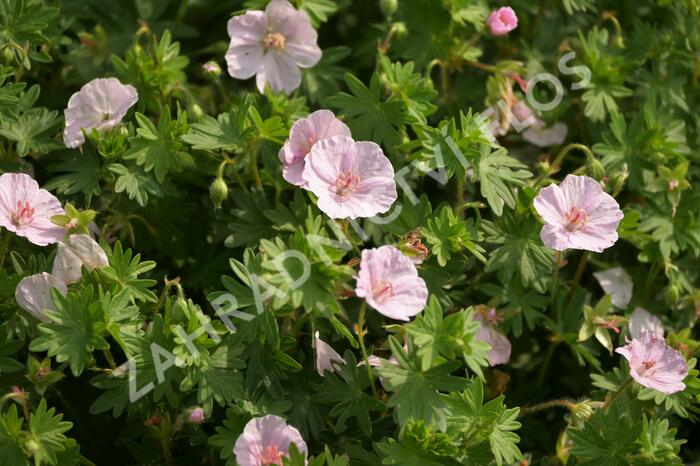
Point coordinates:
[(389, 282), (351, 179), (500, 345), (578, 214), (654, 364), (642, 320), (272, 45), (327, 359), (26, 210), (100, 104), (502, 21), (542, 136), (618, 284), (412, 246), (78, 250), (305, 132), (265, 441), (33, 294)]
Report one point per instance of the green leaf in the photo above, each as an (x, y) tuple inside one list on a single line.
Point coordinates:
[(11, 439), (451, 336), (75, 331), (46, 431), (658, 444), (446, 234), (416, 387), (347, 388), (606, 439), (499, 174), (519, 252), (227, 132), (124, 271), (479, 422), (159, 149), (369, 117), (137, 184)]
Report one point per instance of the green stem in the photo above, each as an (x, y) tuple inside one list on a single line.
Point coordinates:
[(577, 276), (110, 358), (365, 356), (254, 167), (560, 157), (615, 395), (560, 403), (4, 247), (545, 364), (555, 277), (460, 197)]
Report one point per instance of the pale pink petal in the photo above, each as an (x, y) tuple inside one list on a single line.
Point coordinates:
[(654, 364), (618, 284), (389, 282), (67, 267), (245, 52), (300, 36), (351, 179), (500, 345), (545, 137), (578, 214), (26, 210), (305, 132), (642, 320), (33, 294), (265, 440), (79, 250), (279, 71), (327, 359), (100, 104)]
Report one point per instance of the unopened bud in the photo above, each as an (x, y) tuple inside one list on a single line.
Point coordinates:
[(211, 69), (582, 411), (218, 192), (388, 7), (595, 169), (400, 30), (196, 415), (672, 294)]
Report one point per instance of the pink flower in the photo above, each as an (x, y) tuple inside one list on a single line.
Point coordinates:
[(502, 21), (33, 294), (654, 364), (389, 282), (500, 345), (327, 359), (26, 210), (618, 284), (578, 214), (351, 179), (77, 251), (273, 45), (100, 104), (305, 132), (265, 441), (540, 136), (641, 321)]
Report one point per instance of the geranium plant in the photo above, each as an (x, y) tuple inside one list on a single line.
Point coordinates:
[(349, 233)]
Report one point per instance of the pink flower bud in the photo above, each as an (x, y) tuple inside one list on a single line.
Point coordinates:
[(502, 21), (196, 415)]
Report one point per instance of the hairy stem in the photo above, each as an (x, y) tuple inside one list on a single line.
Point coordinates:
[(4, 247), (560, 157), (577, 276), (361, 338), (611, 398), (559, 403)]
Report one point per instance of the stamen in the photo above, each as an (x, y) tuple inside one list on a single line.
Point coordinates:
[(576, 219), (346, 183), (274, 40)]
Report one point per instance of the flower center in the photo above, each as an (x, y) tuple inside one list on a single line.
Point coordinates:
[(274, 40), (647, 365), (346, 183), (23, 215), (576, 219), (105, 117), (271, 455), (382, 290)]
